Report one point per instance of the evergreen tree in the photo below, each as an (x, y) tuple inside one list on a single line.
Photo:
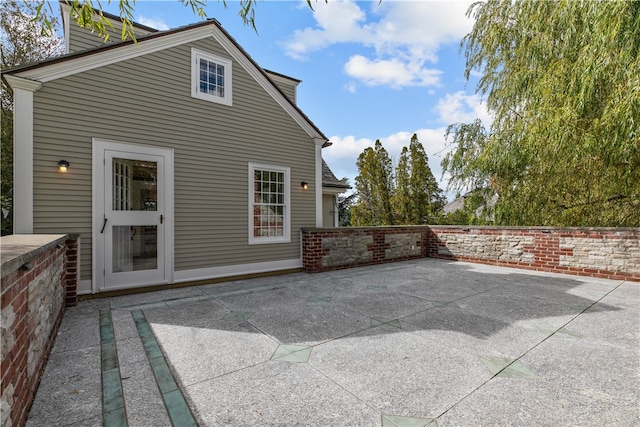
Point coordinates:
[(426, 197), (403, 203), (418, 199), (374, 185), (345, 203), (412, 198)]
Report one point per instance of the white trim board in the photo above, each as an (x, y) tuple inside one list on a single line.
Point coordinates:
[(230, 271), (235, 270)]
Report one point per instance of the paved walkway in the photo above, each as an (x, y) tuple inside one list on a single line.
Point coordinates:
[(427, 342)]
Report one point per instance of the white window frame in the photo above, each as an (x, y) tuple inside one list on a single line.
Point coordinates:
[(196, 55), (286, 232)]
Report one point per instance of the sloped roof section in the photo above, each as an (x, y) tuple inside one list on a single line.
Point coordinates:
[(70, 64), (329, 179)]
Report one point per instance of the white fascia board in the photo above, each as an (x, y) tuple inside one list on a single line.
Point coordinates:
[(333, 190), (99, 59), (116, 54), (22, 83)]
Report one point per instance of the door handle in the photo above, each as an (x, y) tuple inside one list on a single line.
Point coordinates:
[(104, 224), (161, 218)]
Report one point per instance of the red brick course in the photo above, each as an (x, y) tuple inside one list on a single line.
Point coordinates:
[(14, 297), (546, 251)]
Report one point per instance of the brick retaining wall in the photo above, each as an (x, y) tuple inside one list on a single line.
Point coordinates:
[(32, 305), (612, 253), (334, 248)]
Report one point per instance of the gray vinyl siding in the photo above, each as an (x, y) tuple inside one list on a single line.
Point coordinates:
[(82, 39), (288, 90), (328, 208), (147, 100)]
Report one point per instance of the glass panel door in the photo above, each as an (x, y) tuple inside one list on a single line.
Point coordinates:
[(134, 212)]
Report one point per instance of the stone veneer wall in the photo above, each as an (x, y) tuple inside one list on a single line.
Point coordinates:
[(334, 248), (612, 253), (32, 306)]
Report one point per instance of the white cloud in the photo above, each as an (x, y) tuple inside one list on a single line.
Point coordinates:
[(337, 22), (342, 155), (392, 72), (452, 108), (405, 36), (158, 24), (462, 108), (351, 87)]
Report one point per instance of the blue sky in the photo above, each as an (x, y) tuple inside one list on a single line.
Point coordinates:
[(370, 70)]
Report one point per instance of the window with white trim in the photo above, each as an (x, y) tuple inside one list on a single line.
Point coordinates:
[(210, 77), (269, 208)]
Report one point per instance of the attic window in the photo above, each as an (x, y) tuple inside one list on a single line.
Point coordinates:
[(210, 77)]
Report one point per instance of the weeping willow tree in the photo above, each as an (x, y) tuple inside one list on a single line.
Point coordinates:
[(562, 82), (88, 14)]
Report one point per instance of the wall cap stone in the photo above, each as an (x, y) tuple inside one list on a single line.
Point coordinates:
[(536, 228), (16, 249), (355, 229)]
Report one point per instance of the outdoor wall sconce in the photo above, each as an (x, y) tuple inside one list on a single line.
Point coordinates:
[(63, 165), (304, 185)]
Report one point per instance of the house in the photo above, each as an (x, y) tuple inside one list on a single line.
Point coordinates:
[(458, 204), (332, 187), (175, 158)]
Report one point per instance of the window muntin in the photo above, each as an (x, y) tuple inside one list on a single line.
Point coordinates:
[(210, 77), (269, 204)]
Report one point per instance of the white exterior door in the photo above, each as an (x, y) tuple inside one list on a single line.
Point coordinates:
[(131, 219)]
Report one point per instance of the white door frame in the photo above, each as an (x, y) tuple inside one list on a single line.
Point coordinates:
[(99, 146)]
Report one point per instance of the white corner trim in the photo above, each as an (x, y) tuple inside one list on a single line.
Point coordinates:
[(65, 11), (23, 154), (318, 142), (236, 270)]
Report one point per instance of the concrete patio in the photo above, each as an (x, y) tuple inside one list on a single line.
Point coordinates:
[(425, 342)]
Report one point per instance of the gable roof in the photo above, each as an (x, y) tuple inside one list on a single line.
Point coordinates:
[(73, 63), (329, 179)]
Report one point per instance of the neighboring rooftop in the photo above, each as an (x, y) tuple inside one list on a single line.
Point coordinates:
[(329, 179)]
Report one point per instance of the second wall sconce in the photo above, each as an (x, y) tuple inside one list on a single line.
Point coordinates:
[(63, 165), (304, 185)]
